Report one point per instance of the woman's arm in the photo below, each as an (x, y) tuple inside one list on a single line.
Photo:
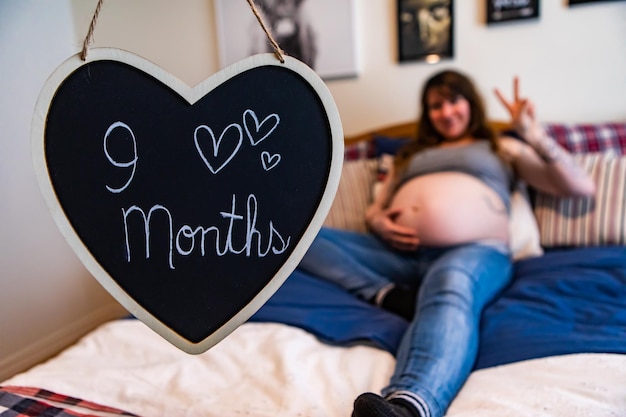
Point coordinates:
[(381, 220), (546, 166), (540, 160)]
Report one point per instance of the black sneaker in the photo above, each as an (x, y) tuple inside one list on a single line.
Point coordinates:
[(372, 405)]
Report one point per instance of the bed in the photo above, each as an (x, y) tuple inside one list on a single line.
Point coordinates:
[(554, 343)]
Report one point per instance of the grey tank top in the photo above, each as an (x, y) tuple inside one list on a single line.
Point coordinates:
[(476, 159)]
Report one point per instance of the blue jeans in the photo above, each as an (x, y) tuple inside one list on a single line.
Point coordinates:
[(455, 283)]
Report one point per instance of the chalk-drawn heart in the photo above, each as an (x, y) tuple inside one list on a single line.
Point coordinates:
[(269, 161), (256, 131), (121, 151), (219, 154)]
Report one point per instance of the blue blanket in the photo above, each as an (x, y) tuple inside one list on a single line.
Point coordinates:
[(567, 301)]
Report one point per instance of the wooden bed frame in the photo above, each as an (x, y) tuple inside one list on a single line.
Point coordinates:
[(408, 130)]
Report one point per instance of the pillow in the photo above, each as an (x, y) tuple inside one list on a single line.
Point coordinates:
[(354, 194), (386, 145), (523, 228), (363, 149), (592, 221), (589, 138)]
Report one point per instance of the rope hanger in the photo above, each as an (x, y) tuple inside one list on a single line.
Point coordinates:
[(92, 26), (279, 52)]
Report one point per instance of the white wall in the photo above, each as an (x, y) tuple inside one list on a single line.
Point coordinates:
[(47, 297), (572, 61)]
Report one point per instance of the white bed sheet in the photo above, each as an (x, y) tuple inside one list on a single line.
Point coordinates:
[(274, 370)]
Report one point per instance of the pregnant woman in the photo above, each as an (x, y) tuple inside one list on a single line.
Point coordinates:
[(440, 234)]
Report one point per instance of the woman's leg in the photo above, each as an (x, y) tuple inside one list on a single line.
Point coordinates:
[(438, 350), (358, 262)]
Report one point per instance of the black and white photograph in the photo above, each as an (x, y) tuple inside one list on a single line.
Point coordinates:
[(320, 33), (511, 10), (425, 30)]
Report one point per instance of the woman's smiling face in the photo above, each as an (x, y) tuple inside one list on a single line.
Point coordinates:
[(449, 115)]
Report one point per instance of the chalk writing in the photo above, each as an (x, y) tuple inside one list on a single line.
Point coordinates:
[(198, 238), (216, 153), (185, 240), (132, 162), (214, 157), (269, 161), (249, 116)]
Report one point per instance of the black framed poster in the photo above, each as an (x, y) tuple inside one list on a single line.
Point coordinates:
[(510, 10), (425, 30), (301, 28)]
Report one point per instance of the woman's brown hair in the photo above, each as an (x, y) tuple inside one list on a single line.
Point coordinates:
[(451, 84)]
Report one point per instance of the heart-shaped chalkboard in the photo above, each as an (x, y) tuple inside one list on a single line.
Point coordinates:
[(191, 206)]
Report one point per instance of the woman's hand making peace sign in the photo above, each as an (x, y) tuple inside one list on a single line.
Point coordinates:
[(521, 110)]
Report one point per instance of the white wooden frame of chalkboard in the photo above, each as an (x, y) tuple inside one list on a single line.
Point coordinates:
[(191, 95)]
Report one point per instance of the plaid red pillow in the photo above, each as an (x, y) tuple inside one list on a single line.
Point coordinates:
[(587, 138), (359, 150)]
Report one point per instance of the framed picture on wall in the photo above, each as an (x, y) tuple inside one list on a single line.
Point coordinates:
[(320, 33), (505, 11), (575, 2), (425, 30)]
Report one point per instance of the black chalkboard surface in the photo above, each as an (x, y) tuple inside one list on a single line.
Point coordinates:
[(191, 206)]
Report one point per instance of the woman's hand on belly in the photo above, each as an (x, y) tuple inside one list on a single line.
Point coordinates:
[(397, 236)]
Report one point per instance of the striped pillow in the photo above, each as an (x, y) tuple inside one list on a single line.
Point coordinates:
[(593, 221), (353, 196)]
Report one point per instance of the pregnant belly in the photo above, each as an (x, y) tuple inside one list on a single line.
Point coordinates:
[(450, 208)]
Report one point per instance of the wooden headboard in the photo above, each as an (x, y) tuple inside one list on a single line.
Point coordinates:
[(408, 130)]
